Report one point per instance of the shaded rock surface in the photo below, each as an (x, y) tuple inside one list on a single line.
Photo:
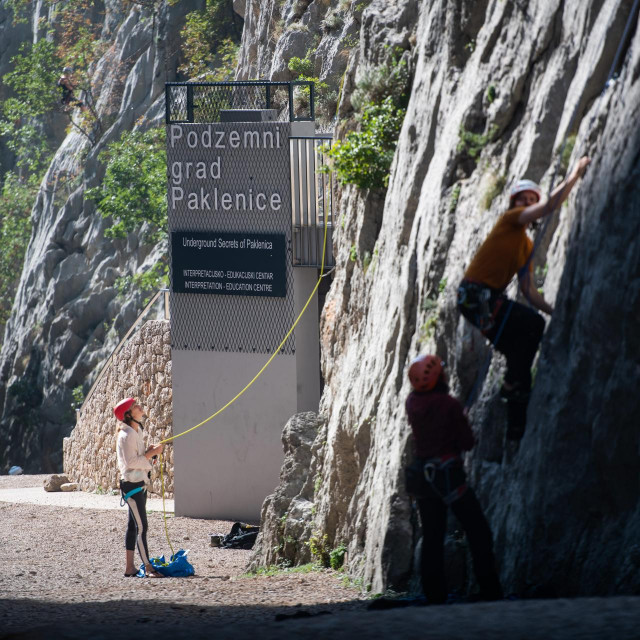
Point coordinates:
[(287, 514), (520, 77)]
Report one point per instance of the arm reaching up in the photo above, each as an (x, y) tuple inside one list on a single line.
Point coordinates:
[(558, 195)]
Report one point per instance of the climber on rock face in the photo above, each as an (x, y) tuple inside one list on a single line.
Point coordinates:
[(514, 329), (65, 82)]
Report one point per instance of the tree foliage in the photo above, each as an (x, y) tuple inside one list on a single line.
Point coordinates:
[(16, 200), (35, 93), (364, 157), (134, 188), (210, 42)]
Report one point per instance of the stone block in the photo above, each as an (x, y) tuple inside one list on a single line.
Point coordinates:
[(54, 482)]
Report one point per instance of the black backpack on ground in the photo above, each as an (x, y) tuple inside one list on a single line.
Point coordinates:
[(241, 536)]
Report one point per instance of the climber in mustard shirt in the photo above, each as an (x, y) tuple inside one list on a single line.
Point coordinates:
[(514, 329)]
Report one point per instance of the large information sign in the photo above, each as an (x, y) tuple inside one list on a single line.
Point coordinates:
[(246, 264), (229, 212)]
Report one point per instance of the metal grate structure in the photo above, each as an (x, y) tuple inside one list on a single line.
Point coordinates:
[(202, 102), (312, 201), (237, 323), (207, 125)]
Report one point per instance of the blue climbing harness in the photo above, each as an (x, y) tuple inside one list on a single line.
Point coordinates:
[(126, 496)]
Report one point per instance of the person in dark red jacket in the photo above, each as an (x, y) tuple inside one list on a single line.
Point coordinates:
[(441, 432)]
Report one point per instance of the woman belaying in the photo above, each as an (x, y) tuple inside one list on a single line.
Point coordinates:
[(134, 464), (514, 329), (437, 480)]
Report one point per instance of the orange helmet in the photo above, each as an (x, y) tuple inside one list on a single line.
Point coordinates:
[(424, 372), (122, 407)]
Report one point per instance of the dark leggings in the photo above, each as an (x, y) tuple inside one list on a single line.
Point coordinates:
[(137, 526), (433, 515), (519, 337)]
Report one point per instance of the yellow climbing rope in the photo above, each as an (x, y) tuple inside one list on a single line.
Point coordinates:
[(164, 511)]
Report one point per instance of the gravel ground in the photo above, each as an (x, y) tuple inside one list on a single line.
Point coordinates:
[(62, 578)]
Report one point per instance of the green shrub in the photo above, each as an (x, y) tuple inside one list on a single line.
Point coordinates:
[(302, 94), (336, 557), (147, 282), (319, 548), (302, 66), (16, 200), (364, 157), (389, 79), (210, 41), (78, 397), (332, 21), (455, 196), (34, 83), (472, 144), (134, 189)]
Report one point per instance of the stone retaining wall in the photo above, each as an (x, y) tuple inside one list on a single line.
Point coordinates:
[(141, 370)]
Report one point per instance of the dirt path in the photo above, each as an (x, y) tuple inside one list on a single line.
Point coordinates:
[(61, 577)]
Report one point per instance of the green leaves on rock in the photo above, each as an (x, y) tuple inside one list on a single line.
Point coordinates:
[(134, 188), (364, 157)]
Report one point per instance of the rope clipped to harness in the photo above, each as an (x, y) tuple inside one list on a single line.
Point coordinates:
[(444, 476)]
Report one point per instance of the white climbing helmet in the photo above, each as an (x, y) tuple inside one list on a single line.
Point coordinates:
[(525, 185)]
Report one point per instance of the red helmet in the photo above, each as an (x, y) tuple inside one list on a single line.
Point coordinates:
[(424, 372), (122, 407)]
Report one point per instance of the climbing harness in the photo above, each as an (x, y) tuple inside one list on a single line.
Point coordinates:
[(126, 496), (552, 203), (476, 298), (444, 476)]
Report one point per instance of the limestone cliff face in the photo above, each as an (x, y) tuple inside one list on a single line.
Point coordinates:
[(564, 505), (67, 316)]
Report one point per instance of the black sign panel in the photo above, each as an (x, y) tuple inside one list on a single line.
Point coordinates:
[(246, 264)]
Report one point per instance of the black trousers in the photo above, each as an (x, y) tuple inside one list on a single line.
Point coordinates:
[(519, 337), (137, 525), (433, 515)]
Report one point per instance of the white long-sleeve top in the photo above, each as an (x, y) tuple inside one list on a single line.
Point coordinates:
[(132, 462)]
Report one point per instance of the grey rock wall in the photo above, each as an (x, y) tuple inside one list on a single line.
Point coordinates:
[(67, 315), (564, 505)]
